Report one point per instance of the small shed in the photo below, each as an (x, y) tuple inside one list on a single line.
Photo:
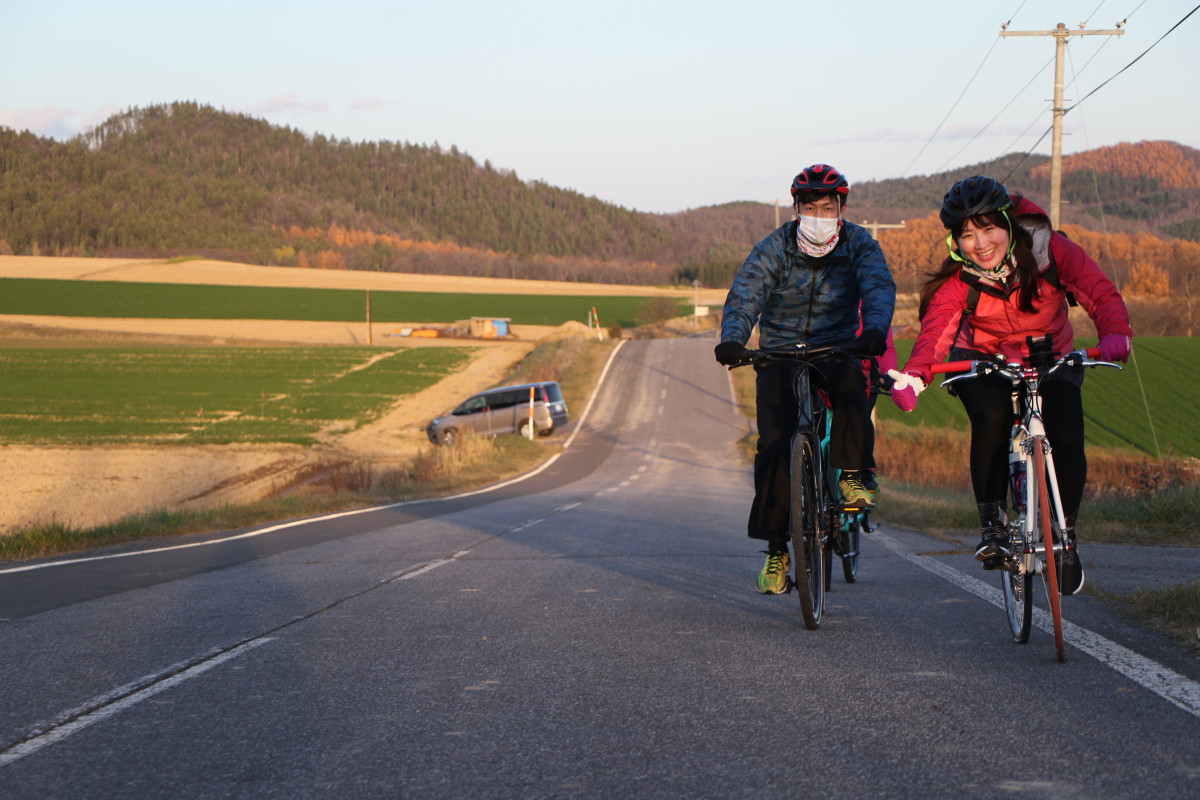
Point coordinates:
[(489, 327)]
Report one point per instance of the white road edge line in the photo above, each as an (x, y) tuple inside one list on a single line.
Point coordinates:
[(1176, 689), (108, 707), (339, 515)]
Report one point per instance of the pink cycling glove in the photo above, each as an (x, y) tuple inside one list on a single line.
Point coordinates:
[(1115, 347), (906, 389)]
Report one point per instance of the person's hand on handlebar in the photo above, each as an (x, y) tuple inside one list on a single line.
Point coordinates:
[(871, 343), (906, 389), (1115, 347), (731, 354)]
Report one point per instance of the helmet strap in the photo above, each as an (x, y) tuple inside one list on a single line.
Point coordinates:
[(1012, 240)]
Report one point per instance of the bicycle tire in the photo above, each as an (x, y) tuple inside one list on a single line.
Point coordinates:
[(1051, 569), (1016, 581), (827, 567), (1017, 585), (808, 558), (850, 550)]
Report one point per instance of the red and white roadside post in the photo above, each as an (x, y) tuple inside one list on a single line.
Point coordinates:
[(532, 432)]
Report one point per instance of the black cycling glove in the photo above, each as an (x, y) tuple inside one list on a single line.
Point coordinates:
[(871, 343), (730, 353)]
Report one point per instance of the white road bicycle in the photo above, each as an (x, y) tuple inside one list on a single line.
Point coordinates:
[(1036, 503)]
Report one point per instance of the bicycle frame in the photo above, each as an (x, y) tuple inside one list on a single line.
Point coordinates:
[(846, 524)]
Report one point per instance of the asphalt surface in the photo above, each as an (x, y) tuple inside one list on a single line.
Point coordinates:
[(591, 632)]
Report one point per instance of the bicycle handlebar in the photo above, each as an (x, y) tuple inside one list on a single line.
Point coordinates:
[(968, 366), (799, 352)]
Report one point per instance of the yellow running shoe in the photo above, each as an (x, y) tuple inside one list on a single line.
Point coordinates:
[(774, 576), (853, 492)]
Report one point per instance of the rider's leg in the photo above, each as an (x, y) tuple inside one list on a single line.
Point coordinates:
[(776, 404), (988, 404), (852, 437), (1062, 412), (868, 475)]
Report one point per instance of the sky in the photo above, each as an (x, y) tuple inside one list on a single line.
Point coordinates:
[(654, 106)]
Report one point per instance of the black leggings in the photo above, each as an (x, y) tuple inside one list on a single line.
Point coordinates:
[(851, 441), (988, 403)]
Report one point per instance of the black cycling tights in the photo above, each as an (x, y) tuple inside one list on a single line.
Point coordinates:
[(988, 403)]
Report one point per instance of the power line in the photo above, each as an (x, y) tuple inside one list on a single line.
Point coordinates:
[(1139, 58), (1117, 282), (998, 113), (957, 100)]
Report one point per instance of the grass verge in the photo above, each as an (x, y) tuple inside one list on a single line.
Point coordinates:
[(1174, 611)]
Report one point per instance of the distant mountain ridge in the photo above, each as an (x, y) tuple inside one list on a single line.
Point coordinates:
[(188, 179)]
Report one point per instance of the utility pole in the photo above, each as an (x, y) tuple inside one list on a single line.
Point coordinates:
[(876, 226), (1060, 34)]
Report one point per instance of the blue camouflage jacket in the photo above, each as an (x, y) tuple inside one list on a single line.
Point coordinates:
[(796, 298)]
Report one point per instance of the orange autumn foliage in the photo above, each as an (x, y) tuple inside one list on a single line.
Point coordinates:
[(1162, 160)]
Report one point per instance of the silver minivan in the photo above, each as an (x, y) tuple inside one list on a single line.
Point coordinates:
[(503, 410)]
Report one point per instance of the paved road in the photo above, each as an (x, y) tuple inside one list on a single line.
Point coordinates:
[(592, 632)]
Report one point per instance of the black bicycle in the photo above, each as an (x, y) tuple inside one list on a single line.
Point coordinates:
[(814, 511)]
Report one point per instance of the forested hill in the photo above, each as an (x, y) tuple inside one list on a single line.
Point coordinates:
[(187, 179)]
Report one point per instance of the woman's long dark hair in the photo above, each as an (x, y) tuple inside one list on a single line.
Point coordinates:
[(1027, 266)]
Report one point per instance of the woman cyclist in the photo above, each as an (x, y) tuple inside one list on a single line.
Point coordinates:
[(1003, 289)]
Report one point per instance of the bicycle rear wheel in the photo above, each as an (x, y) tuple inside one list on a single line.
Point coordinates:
[(1017, 585), (1041, 507), (808, 556)]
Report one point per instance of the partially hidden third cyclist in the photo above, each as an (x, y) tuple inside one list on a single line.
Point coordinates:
[(805, 283), (1003, 289)]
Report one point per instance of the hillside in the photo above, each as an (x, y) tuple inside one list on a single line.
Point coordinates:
[(185, 179)]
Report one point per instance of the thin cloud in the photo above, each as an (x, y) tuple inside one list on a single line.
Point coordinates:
[(53, 121), (372, 104), (284, 103), (902, 136)]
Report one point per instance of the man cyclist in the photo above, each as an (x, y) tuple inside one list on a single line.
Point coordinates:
[(809, 281)]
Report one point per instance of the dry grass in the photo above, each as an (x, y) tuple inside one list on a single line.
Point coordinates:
[(1174, 611)]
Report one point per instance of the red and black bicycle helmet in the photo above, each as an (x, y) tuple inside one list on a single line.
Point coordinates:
[(821, 178), (971, 197)]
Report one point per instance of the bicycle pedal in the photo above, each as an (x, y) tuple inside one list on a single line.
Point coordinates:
[(996, 562)]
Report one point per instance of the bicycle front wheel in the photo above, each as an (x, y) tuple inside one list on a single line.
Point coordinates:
[(807, 550)]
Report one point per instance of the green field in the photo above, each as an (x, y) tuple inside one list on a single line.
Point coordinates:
[(1116, 413), (64, 298), (205, 395)]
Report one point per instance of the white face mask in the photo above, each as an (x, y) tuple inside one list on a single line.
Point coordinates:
[(819, 230)]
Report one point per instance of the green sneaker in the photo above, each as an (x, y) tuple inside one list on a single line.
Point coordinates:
[(774, 576), (853, 492)]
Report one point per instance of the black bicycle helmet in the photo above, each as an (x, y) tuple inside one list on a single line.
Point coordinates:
[(821, 178), (971, 197)]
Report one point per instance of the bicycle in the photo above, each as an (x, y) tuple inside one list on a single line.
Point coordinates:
[(1039, 516), (813, 510)]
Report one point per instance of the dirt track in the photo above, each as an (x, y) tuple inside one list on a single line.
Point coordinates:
[(86, 485)]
